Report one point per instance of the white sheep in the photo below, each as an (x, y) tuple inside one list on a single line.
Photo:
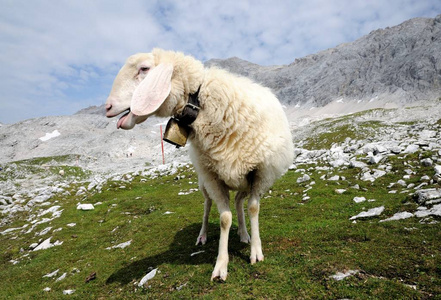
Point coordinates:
[(240, 139)]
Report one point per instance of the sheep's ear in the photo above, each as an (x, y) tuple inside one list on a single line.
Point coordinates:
[(152, 91)]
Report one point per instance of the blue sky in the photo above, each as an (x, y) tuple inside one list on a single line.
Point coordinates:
[(59, 56)]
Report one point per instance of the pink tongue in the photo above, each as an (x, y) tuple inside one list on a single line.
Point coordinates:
[(121, 121)]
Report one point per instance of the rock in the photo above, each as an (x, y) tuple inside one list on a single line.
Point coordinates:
[(304, 178), (334, 178), (340, 276), (402, 182), (121, 246), (357, 164), (52, 274), (395, 150), (373, 212), (61, 172), (427, 162), (437, 169), (46, 244), (86, 206), (434, 211), (147, 277), (412, 148), (378, 173), (373, 160), (337, 163), (379, 149), (399, 216), (63, 276), (340, 191), (359, 199), (68, 292), (425, 178), (422, 196)]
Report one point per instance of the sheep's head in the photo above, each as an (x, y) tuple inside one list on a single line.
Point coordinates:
[(152, 83)]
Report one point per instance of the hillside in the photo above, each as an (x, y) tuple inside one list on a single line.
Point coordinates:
[(360, 186)]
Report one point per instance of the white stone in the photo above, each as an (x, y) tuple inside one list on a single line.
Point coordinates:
[(52, 274), (47, 289), (334, 178), (147, 277), (373, 212), (399, 216), (48, 136), (378, 173), (196, 253), (437, 169), (304, 178), (340, 191), (427, 162), (434, 211), (425, 178), (61, 277), (340, 276), (68, 292), (359, 199), (71, 224), (121, 246), (375, 159), (412, 148), (402, 182), (46, 244), (357, 164), (86, 206), (44, 231), (337, 163)]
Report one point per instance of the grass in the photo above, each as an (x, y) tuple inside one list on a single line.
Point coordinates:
[(304, 242)]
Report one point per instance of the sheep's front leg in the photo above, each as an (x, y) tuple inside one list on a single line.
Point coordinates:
[(242, 230), (202, 238), (256, 244), (220, 269)]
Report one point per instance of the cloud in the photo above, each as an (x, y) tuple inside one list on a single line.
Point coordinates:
[(59, 56)]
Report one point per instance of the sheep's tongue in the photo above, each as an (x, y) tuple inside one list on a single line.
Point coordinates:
[(121, 120)]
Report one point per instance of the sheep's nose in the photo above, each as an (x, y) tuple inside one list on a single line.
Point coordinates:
[(108, 112)]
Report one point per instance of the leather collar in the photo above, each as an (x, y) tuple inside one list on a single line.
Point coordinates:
[(191, 110)]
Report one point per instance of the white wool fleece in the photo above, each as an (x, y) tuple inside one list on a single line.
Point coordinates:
[(241, 127)]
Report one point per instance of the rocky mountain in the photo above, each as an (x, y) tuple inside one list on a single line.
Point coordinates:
[(401, 63)]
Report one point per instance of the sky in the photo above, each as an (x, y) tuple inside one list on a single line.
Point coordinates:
[(59, 56)]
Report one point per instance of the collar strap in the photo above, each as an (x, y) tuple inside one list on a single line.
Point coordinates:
[(191, 110)]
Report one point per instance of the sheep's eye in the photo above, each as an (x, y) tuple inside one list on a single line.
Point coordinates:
[(144, 69)]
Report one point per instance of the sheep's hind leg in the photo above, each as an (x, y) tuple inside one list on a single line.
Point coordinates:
[(242, 230), (256, 244), (202, 238)]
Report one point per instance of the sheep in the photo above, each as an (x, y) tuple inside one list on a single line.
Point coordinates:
[(240, 139)]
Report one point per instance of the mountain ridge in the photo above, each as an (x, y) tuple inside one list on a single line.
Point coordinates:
[(402, 63)]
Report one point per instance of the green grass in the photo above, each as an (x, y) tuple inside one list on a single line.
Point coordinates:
[(304, 242), (43, 167)]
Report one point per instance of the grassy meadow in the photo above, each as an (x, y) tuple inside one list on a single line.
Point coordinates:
[(304, 243)]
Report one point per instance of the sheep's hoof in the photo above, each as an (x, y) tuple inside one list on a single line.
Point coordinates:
[(220, 272), (202, 239), (256, 255), (244, 236)]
